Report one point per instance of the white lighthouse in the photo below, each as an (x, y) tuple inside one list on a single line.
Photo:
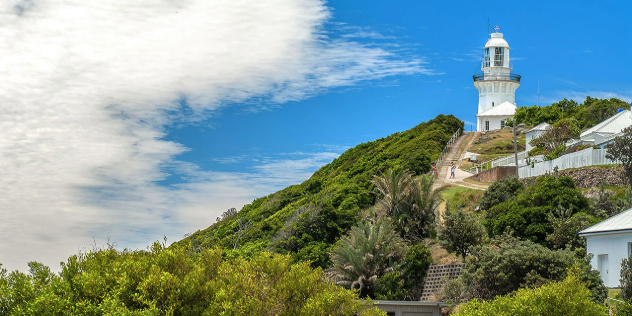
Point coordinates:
[(496, 85)]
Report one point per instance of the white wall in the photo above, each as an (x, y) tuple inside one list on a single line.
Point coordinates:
[(496, 91), (494, 122), (615, 245)]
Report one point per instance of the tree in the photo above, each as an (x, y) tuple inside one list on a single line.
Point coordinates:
[(565, 227), (415, 268), (567, 297), (394, 187), (424, 202), (460, 231), (501, 191), (626, 279), (410, 203), (621, 149), (553, 140), (370, 250)]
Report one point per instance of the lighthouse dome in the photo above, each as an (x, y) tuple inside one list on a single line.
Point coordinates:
[(496, 40)]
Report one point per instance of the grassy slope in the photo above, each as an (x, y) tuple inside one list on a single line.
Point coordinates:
[(307, 218), (501, 145)]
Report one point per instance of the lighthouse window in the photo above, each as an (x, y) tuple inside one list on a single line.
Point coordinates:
[(499, 56), (486, 61), (492, 104), (487, 125)]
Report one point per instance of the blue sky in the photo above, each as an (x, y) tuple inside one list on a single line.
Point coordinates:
[(568, 46), (153, 119)]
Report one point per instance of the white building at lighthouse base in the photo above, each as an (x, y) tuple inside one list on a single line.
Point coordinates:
[(496, 116)]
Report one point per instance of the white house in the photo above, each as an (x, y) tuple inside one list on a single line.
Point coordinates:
[(610, 241), (607, 129), (535, 133), (496, 85)]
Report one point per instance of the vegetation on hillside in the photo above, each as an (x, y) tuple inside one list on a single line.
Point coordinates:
[(307, 219), (567, 297), (174, 281), (527, 215), (586, 115), (369, 219)]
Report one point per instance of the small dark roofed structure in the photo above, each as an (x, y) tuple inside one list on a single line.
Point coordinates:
[(411, 308)]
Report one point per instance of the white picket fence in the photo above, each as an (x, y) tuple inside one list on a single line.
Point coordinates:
[(583, 158), (510, 160)]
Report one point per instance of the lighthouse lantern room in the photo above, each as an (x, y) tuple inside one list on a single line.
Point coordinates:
[(496, 85)]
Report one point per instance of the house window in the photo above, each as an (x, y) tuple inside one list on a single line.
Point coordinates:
[(487, 125), (502, 124), (629, 249)]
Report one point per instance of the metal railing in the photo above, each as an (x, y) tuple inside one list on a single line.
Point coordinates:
[(488, 76), (446, 149)]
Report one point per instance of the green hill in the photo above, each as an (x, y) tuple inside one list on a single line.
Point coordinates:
[(306, 219)]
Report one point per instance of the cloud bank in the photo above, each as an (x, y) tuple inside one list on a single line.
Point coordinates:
[(89, 89)]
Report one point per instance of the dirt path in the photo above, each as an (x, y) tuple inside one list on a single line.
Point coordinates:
[(457, 153), (444, 170)]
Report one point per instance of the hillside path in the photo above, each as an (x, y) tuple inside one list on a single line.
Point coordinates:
[(457, 153)]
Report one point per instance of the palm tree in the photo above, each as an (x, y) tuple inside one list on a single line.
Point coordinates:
[(365, 254), (425, 202), (394, 188)]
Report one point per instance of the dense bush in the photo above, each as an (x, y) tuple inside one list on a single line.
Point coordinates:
[(624, 309), (507, 265), (174, 282), (460, 231), (528, 214), (587, 114), (501, 191), (568, 297), (329, 202)]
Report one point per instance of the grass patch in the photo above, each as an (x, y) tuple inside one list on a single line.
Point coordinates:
[(466, 198), (501, 143)]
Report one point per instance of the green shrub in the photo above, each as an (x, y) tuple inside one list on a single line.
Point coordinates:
[(501, 191), (460, 231), (528, 214), (624, 309), (174, 282), (507, 265), (568, 297)]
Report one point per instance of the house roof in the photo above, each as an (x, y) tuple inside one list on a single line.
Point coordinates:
[(540, 127), (504, 109), (616, 223), (410, 303), (611, 125)]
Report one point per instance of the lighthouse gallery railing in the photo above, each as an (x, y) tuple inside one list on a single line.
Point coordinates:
[(509, 77)]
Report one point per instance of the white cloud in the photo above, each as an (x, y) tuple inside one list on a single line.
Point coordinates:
[(90, 87)]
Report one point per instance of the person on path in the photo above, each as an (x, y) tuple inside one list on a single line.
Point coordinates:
[(452, 170), (434, 171)]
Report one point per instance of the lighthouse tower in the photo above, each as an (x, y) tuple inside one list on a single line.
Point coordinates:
[(496, 85)]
